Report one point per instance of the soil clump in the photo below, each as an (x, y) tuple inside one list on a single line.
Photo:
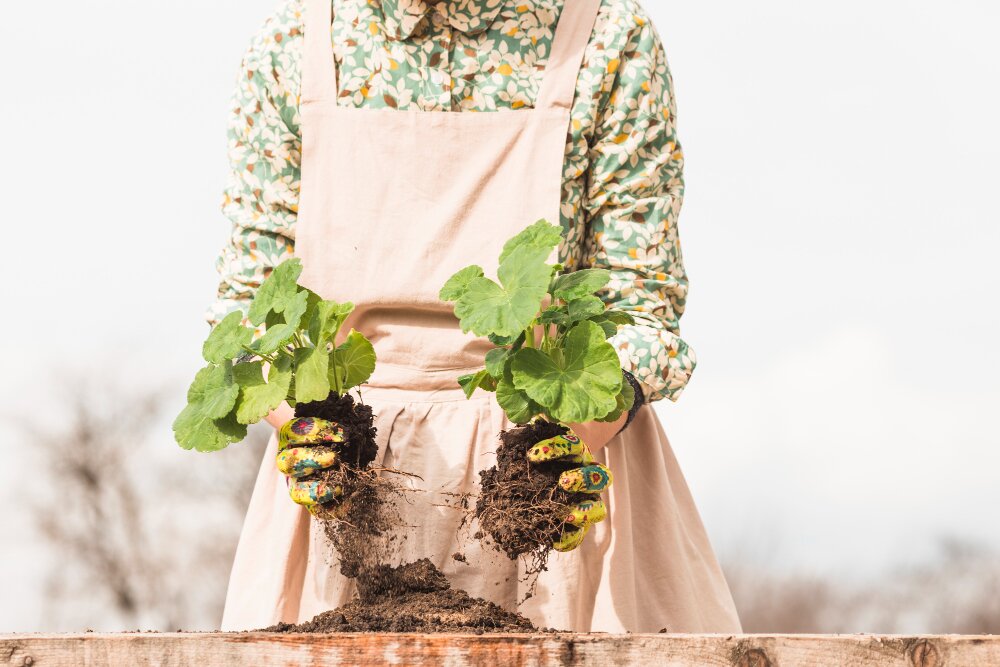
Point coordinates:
[(522, 508)]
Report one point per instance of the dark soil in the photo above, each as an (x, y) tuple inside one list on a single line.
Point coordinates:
[(521, 507), (359, 448), (363, 527), (413, 598)]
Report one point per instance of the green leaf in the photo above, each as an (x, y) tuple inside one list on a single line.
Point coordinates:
[(611, 319), (476, 380), (578, 382), (279, 335), (312, 303), (193, 430), (540, 237), (554, 315), (515, 403), (515, 342), (205, 422), (508, 308), (496, 360), (248, 374), (214, 390), (585, 307), (625, 400), (619, 316), (227, 339), (609, 328), (326, 320), (258, 398), (354, 360), (458, 283), (500, 341), (273, 319), (231, 429), (583, 282), (312, 380), (277, 292)]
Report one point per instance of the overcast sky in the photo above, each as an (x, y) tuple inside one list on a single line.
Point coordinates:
[(840, 231)]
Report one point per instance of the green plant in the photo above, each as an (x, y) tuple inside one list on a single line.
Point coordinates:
[(304, 363), (552, 358)]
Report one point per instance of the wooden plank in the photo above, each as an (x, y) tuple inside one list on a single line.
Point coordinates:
[(564, 650)]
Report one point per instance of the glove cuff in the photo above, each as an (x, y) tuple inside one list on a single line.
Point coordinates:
[(640, 399)]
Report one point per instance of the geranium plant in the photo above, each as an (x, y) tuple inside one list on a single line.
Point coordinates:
[(297, 350), (552, 358), (551, 366)]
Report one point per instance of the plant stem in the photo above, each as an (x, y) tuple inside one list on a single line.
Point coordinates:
[(336, 372), (255, 353), (529, 335)]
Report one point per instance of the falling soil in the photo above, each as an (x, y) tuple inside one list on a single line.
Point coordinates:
[(363, 527), (361, 524), (522, 507), (413, 598)]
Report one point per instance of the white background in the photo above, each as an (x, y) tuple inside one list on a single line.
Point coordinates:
[(840, 231)]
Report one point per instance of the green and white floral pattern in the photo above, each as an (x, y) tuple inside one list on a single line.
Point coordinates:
[(623, 179)]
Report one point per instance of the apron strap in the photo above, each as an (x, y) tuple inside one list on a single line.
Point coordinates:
[(572, 36), (319, 68)]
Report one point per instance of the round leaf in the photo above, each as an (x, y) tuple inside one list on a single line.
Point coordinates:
[(508, 308), (540, 237), (515, 403), (326, 319), (577, 284), (257, 397), (496, 360), (214, 391), (312, 379), (585, 307), (578, 382), (207, 423), (194, 430), (458, 283), (227, 339), (277, 292), (354, 360), (624, 402), (280, 334)]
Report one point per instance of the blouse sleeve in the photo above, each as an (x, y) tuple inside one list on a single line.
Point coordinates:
[(261, 196), (636, 186)]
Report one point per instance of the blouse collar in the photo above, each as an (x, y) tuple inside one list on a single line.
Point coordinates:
[(401, 18)]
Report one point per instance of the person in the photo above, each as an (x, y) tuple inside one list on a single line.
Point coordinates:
[(388, 143)]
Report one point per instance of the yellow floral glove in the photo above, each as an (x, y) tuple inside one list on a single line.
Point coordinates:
[(305, 446), (590, 479)]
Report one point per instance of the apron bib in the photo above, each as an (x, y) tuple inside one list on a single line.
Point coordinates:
[(392, 203)]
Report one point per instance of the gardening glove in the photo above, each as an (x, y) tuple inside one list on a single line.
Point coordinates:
[(590, 479), (305, 446)]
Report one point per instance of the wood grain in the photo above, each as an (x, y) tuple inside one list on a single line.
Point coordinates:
[(663, 650)]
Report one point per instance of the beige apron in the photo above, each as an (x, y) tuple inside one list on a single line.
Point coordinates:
[(392, 203)]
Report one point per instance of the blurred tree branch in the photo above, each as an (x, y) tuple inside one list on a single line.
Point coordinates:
[(140, 536)]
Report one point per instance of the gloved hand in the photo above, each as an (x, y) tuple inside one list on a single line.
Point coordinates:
[(590, 478), (305, 446)]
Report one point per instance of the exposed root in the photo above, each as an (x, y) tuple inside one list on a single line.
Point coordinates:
[(522, 508)]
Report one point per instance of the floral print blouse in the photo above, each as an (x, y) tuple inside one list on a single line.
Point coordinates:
[(623, 177)]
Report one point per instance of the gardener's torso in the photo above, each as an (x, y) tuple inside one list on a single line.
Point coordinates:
[(394, 200)]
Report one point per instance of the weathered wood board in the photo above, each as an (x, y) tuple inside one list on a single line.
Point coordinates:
[(599, 650)]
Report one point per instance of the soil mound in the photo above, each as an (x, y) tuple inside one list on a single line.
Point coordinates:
[(412, 598)]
